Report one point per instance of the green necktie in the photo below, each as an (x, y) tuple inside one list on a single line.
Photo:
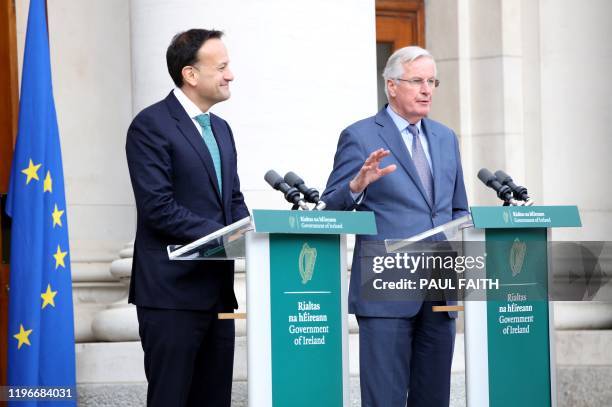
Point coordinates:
[(211, 144)]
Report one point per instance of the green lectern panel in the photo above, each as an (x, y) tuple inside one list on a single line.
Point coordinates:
[(317, 222), (487, 217), (518, 328), (306, 320)]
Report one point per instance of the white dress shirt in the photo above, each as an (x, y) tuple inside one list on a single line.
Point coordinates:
[(190, 107)]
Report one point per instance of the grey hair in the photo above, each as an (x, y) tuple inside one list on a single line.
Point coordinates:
[(395, 64)]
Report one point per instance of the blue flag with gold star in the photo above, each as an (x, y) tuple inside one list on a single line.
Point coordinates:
[(41, 327)]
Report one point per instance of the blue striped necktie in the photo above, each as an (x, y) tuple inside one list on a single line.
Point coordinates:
[(211, 144), (420, 162)]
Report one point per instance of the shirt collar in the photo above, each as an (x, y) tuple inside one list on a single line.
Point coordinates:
[(400, 122), (190, 107)]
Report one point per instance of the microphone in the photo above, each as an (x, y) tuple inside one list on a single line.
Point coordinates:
[(503, 191), (520, 192), (310, 194), (292, 195)]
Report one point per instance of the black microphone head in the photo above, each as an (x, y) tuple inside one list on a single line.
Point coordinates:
[(503, 177), (293, 179), (273, 178), (486, 176), (519, 192), (503, 191)]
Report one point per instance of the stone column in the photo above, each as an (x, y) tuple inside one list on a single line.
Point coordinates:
[(575, 135), (299, 79), (505, 67)]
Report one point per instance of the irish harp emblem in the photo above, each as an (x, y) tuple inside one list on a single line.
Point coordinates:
[(517, 256), (506, 217), (308, 257)]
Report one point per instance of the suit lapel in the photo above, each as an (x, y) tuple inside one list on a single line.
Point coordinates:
[(434, 153), (222, 136), (193, 137), (392, 137)]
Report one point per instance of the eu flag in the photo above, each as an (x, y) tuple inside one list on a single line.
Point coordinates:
[(41, 327)]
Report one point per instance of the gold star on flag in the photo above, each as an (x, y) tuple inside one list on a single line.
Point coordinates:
[(48, 183), (57, 216), (59, 257), (48, 297), (31, 172), (22, 336)]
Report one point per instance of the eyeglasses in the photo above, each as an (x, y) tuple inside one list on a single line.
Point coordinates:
[(418, 82)]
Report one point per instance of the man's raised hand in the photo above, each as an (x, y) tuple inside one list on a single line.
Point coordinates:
[(370, 171)]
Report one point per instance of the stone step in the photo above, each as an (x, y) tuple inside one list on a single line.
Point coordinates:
[(581, 386), (106, 362)]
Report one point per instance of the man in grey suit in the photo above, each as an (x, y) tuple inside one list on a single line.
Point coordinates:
[(406, 169)]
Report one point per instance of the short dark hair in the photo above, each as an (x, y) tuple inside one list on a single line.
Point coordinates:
[(183, 50)]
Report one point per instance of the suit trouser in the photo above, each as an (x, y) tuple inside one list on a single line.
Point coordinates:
[(406, 361), (189, 357)]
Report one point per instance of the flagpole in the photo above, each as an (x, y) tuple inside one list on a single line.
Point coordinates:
[(8, 119), (47, 18)]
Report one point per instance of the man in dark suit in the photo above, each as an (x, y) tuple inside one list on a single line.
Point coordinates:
[(406, 169), (182, 162)]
